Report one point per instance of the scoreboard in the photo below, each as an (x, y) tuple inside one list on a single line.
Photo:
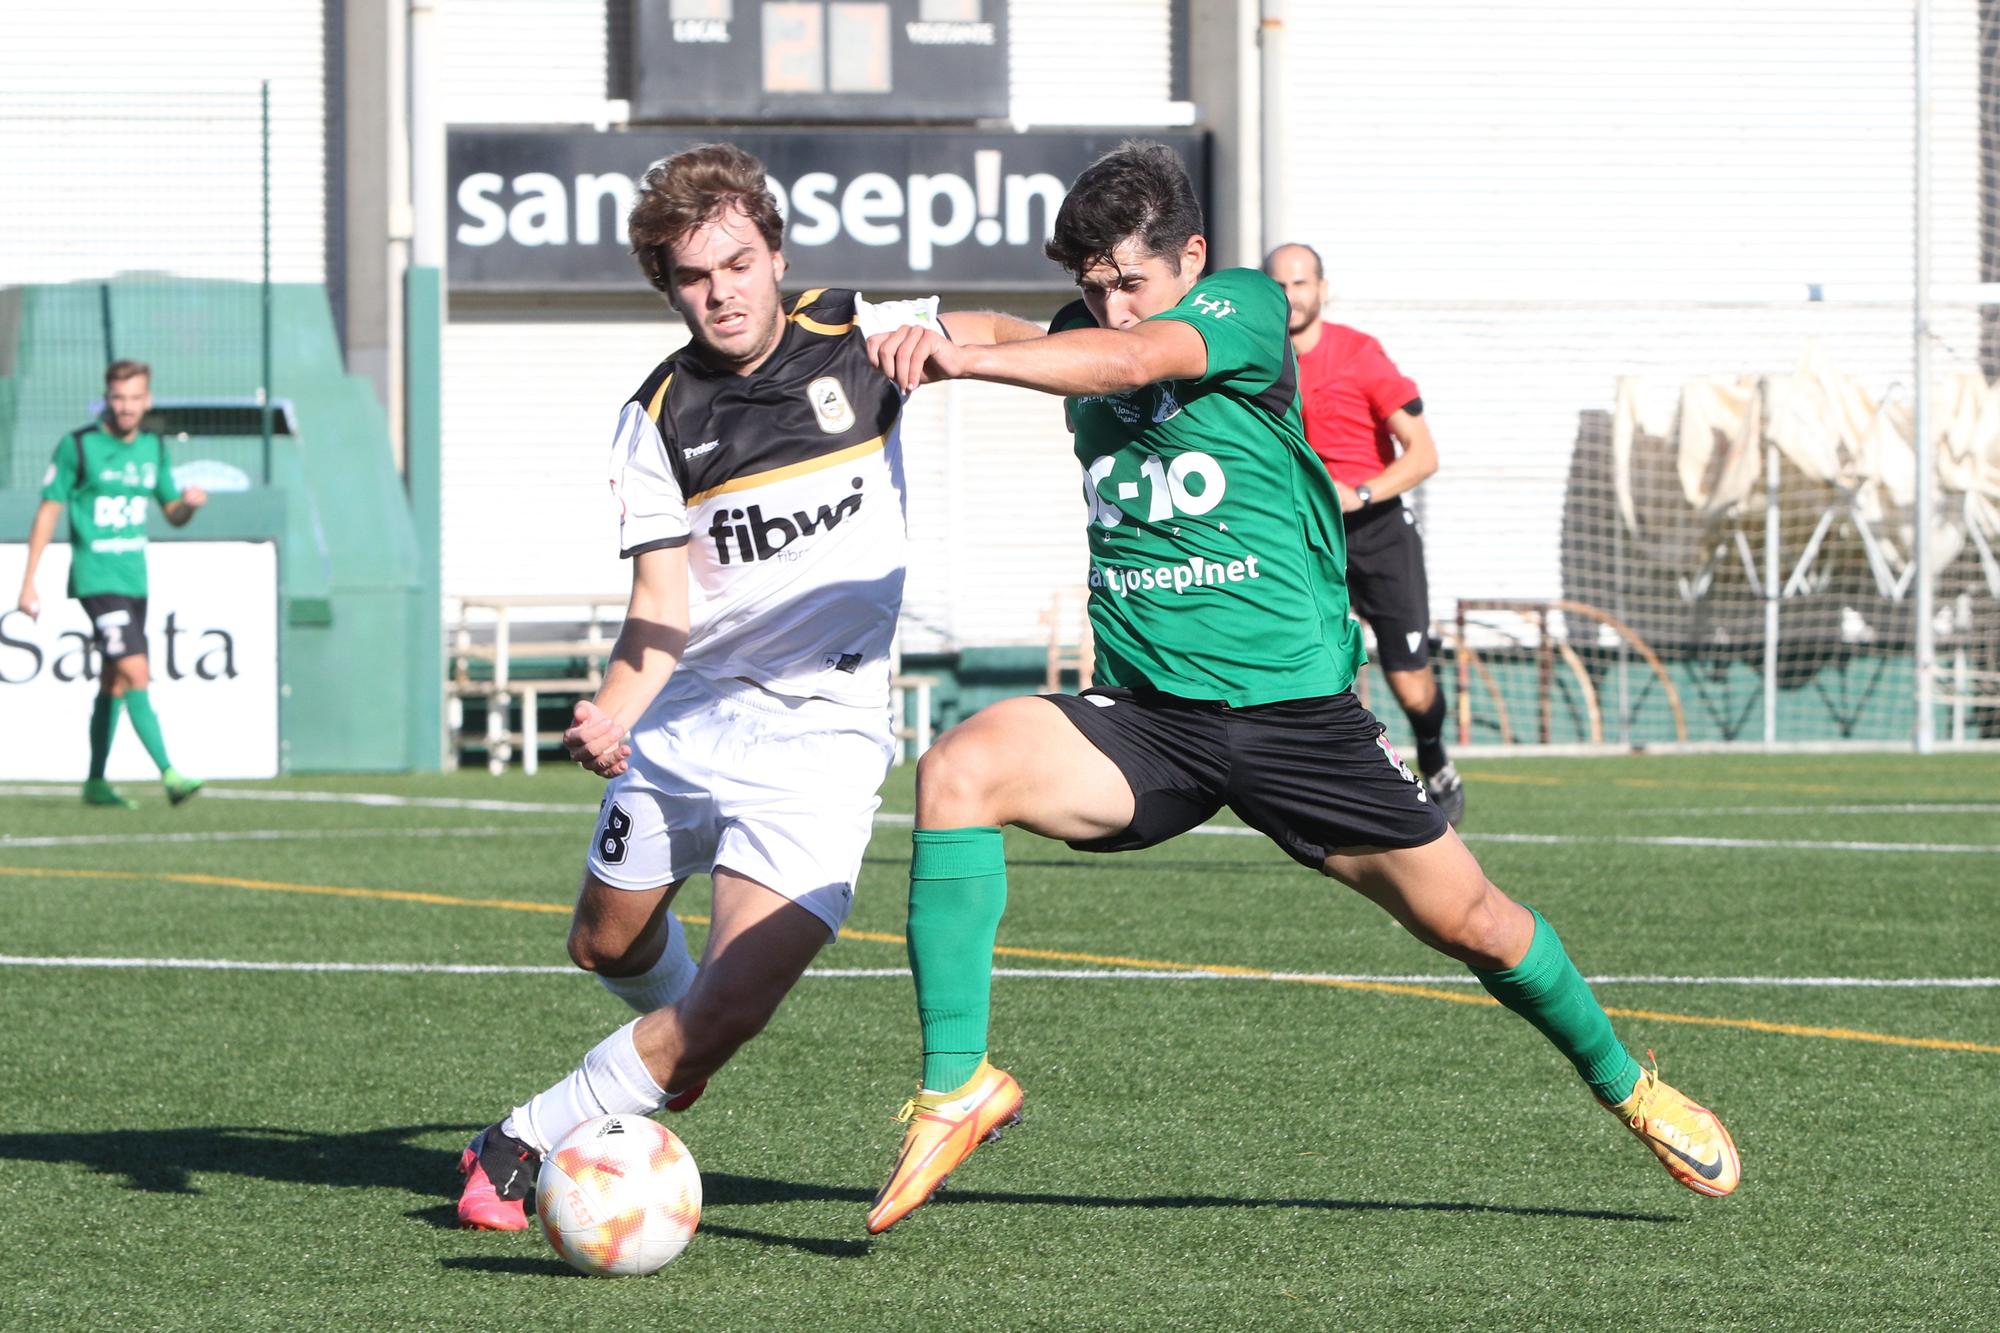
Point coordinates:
[(819, 60)]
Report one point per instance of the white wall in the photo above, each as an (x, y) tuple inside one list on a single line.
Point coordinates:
[(529, 405), (522, 62), (1527, 201), (129, 130)]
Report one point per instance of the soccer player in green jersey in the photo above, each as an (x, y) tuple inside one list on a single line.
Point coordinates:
[(1226, 658), (108, 474)]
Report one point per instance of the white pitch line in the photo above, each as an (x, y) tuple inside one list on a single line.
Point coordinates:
[(893, 819), (381, 800), (10, 843), (1033, 974), (1767, 844), (241, 965), (1900, 808)]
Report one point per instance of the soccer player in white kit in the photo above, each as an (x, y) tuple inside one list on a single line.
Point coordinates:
[(743, 721)]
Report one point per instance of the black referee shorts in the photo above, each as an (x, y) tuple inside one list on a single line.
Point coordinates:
[(1386, 583), (117, 624), (1313, 775)]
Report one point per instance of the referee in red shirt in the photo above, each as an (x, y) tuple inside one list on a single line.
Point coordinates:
[(1364, 418)]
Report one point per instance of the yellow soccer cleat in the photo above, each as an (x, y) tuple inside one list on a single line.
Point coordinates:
[(944, 1128), (1687, 1137)]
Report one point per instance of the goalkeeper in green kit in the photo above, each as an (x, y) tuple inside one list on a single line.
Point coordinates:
[(1225, 664), (108, 475)]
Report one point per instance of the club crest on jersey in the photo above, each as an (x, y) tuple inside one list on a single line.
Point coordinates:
[(830, 405)]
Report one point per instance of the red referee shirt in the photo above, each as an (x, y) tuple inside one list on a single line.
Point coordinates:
[(1348, 388)]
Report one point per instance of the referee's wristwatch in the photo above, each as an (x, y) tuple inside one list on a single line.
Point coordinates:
[(1363, 494)]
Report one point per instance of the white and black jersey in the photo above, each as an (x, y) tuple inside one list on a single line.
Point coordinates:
[(786, 485)]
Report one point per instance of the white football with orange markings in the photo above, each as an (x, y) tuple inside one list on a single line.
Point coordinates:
[(619, 1196)]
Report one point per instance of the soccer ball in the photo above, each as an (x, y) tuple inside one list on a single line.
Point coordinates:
[(620, 1195)]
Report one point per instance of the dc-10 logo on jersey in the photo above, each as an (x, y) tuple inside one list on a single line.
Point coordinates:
[(747, 535), (830, 405)]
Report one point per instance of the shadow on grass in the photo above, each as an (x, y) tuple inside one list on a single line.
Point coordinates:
[(1320, 1205), (520, 1265), (721, 1189), (164, 1161), (825, 1246)]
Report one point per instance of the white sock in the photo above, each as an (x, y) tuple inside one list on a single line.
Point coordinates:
[(612, 1080), (662, 983)]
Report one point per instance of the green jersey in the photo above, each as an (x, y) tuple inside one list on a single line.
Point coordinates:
[(1218, 563), (109, 486)]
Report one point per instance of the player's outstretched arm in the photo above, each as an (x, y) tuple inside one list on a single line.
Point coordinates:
[(1074, 362), (988, 326), (649, 646), (39, 536)]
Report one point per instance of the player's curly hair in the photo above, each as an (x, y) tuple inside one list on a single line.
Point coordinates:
[(1138, 189), (682, 192)]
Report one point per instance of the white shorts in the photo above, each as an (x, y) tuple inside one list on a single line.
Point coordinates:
[(783, 791)]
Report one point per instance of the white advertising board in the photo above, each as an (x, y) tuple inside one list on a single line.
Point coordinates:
[(212, 631)]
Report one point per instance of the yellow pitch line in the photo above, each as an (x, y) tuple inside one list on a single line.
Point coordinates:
[(1799, 1030), (1543, 780), (1469, 997), (1043, 955), (284, 886)]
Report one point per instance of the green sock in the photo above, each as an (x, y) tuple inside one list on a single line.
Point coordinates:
[(147, 724), (1546, 989), (103, 726), (958, 889)]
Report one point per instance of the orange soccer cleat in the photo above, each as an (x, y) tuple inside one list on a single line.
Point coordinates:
[(1687, 1137), (944, 1128)]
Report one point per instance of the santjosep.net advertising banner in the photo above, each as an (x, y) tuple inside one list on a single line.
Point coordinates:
[(875, 209)]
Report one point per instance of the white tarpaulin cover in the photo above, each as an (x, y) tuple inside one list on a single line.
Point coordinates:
[(1851, 443)]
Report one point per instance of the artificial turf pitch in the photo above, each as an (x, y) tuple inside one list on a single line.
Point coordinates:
[(196, 1148)]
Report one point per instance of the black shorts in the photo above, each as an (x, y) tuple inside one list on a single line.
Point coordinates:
[(1386, 583), (117, 624), (1313, 775)]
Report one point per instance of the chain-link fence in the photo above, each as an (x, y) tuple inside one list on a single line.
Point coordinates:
[(146, 235), (1655, 273)]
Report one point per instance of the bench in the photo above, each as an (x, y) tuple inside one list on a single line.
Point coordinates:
[(600, 615), (506, 656)]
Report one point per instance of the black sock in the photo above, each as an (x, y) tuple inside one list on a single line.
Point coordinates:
[(1429, 726)]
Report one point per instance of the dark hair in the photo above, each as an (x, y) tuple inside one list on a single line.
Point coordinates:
[(1137, 190), (120, 371), (693, 188), (1319, 267)]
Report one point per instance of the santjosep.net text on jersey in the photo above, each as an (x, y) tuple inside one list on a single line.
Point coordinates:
[(1217, 556)]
